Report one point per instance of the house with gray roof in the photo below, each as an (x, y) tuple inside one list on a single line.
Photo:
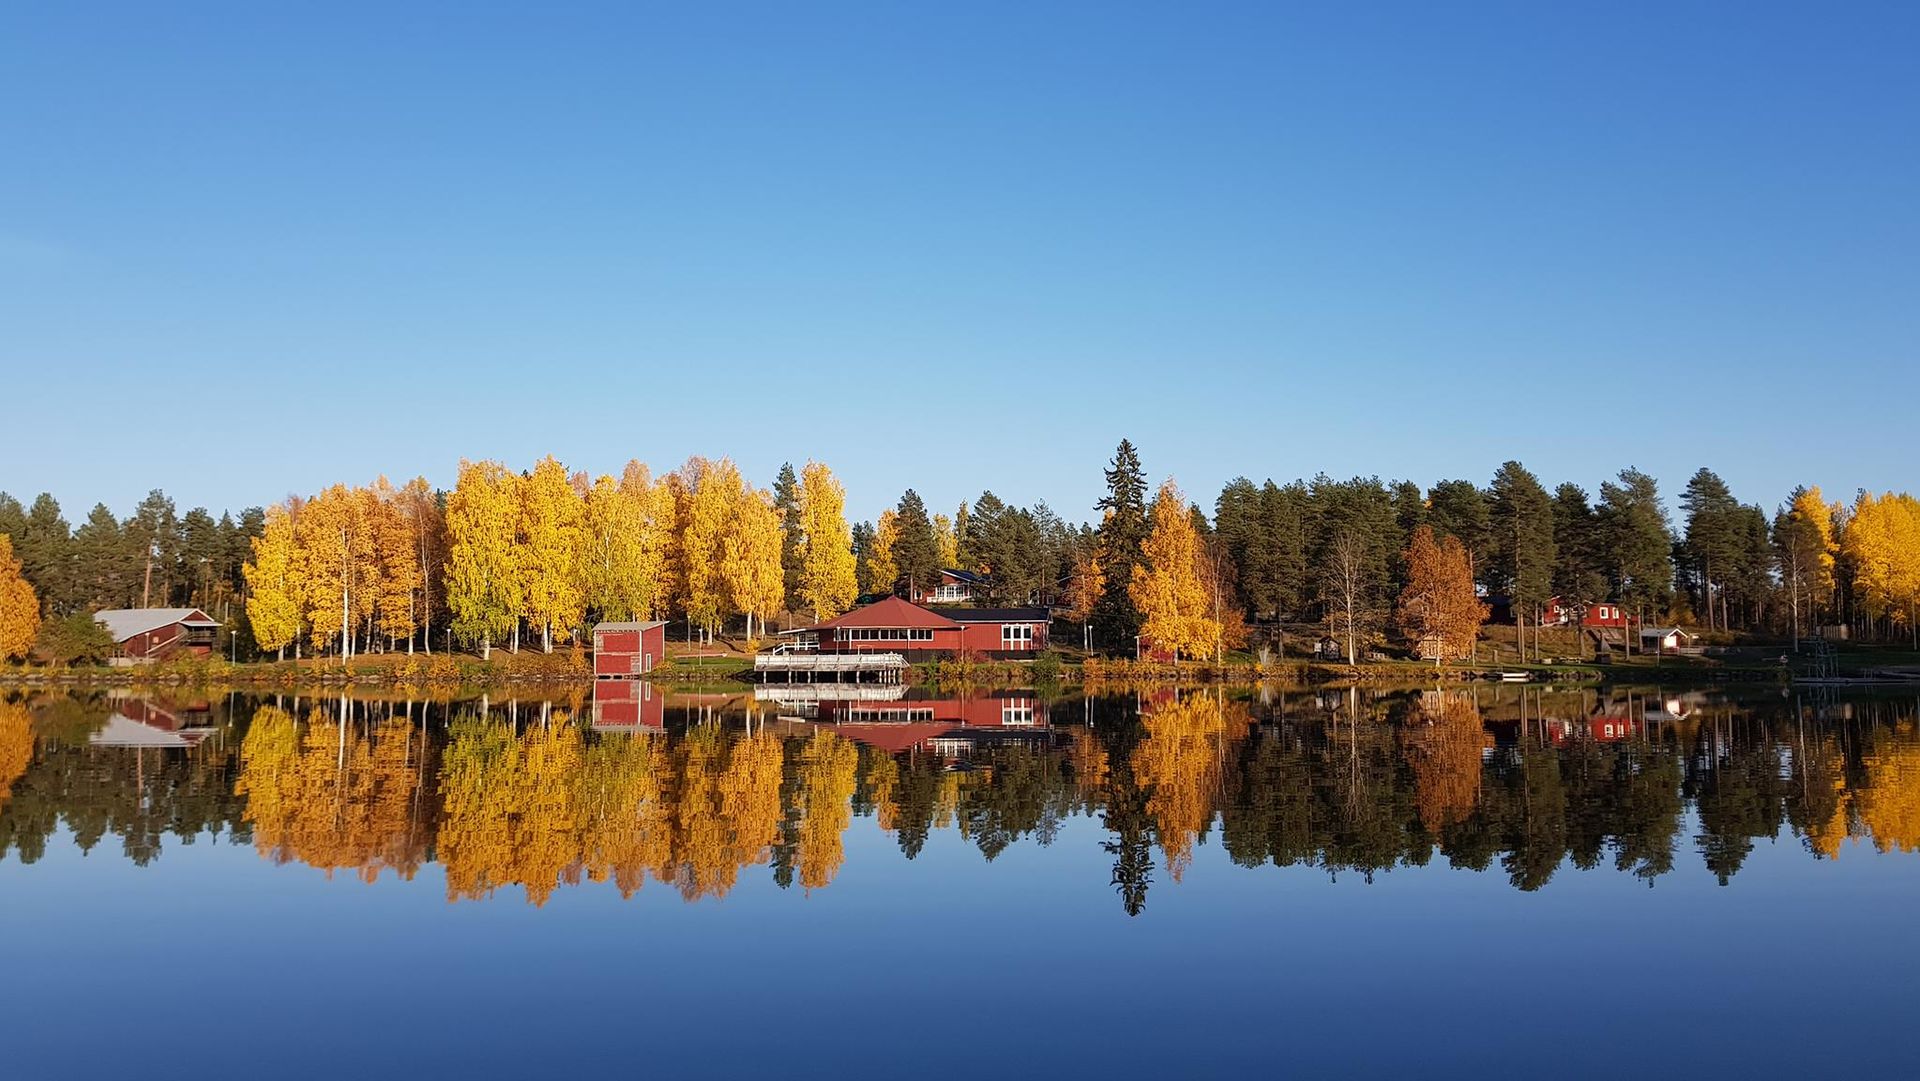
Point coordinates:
[(141, 635)]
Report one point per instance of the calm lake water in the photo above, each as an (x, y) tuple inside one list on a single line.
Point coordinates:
[(1513, 881)]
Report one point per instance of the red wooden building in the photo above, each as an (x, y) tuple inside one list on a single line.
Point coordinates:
[(893, 625), (1600, 614), (155, 634), (625, 650), (954, 587)]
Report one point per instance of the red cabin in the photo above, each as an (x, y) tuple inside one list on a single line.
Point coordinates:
[(1601, 614), (625, 650), (895, 626)]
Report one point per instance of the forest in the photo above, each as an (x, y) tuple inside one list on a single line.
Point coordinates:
[(533, 557)]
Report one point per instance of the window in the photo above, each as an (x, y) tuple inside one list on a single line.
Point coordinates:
[(1017, 716), (1016, 635)]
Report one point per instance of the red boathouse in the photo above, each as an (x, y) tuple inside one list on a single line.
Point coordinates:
[(625, 650)]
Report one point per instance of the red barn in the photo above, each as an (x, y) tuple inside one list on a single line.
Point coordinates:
[(895, 626), (155, 634), (624, 650)]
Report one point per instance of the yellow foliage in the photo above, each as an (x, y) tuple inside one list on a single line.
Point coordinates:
[(1167, 585), (1443, 743), (19, 607), (16, 744), (1178, 762), (827, 773), (827, 585)]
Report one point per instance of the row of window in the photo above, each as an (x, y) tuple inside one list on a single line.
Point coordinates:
[(872, 715), (889, 634), (1016, 635)]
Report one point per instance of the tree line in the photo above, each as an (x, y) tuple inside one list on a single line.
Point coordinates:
[(542, 553)]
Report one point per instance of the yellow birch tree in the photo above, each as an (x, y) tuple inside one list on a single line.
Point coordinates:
[(882, 572), (19, 606), (482, 579), (750, 562), (273, 592), (1167, 587), (551, 515), (827, 585)]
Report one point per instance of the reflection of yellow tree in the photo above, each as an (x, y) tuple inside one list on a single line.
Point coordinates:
[(331, 797), (883, 780), (827, 768), (1889, 805), (475, 840), (1179, 761), (1089, 758), (623, 819), (1442, 743), (546, 838), (750, 797), (16, 746), (1823, 768), (705, 867)]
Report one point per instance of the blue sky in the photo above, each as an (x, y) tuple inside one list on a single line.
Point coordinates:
[(247, 250)]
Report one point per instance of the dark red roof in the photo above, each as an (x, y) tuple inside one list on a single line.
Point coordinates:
[(891, 612)]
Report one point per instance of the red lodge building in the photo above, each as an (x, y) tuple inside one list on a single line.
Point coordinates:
[(155, 634), (895, 626), (625, 650)]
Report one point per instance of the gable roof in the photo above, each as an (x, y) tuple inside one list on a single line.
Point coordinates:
[(890, 612), (965, 576), (124, 623), (997, 615), (644, 625)]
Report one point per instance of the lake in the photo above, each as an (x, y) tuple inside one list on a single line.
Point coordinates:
[(1507, 880)]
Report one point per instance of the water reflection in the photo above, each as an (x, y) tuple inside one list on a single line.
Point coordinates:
[(629, 785)]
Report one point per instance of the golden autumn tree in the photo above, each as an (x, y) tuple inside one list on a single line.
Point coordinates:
[(750, 560), (483, 582), (750, 796), (426, 526), (708, 494), (1089, 581), (551, 517), (625, 827), (622, 552), (396, 610), (1882, 542), (946, 541), (1167, 587), (19, 606), (827, 585), (882, 572), (274, 591), (1439, 610), (1803, 550), (324, 534)]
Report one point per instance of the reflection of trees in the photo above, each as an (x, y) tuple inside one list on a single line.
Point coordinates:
[(1178, 764), (335, 795), (826, 785), (1442, 742), (1347, 781)]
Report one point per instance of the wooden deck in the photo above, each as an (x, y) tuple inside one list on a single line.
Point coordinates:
[(829, 667)]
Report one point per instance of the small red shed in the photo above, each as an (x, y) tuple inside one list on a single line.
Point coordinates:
[(625, 650)]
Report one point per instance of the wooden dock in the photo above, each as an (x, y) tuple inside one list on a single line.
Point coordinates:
[(802, 667)]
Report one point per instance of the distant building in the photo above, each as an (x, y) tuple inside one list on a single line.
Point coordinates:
[(1667, 640), (1597, 615), (625, 650), (954, 587), (142, 635), (892, 625)]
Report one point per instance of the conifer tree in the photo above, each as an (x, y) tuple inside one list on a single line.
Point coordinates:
[(1803, 550), (786, 501), (1521, 536), (916, 548), (1635, 541), (1123, 532)]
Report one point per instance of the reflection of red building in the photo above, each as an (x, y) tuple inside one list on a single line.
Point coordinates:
[(945, 724), (895, 626), (628, 649), (142, 722), (1600, 728), (628, 705)]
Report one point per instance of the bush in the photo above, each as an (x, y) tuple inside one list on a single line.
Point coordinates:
[(76, 639)]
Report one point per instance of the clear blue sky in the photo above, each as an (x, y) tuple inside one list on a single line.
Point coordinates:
[(247, 250)]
